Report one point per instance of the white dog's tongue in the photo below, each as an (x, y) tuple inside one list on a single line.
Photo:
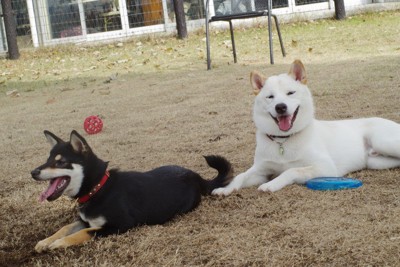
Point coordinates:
[(51, 189), (285, 123)]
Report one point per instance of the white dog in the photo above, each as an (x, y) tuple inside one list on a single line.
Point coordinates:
[(293, 147)]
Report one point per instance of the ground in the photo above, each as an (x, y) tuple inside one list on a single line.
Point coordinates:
[(161, 106)]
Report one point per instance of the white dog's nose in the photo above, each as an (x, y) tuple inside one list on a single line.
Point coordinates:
[(281, 108)]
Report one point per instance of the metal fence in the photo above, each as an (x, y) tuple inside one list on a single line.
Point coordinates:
[(65, 16), (43, 22), (57, 19)]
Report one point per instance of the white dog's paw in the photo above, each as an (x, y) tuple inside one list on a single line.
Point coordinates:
[(222, 191), (270, 186)]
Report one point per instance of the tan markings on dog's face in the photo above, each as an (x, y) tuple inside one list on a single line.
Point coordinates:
[(58, 157)]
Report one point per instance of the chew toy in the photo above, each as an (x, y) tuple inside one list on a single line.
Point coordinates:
[(93, 124)]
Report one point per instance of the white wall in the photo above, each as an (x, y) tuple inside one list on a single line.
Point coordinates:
[(349, 3)]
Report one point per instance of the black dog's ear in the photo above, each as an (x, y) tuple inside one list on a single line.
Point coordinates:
[(52, 138), (79, 143)]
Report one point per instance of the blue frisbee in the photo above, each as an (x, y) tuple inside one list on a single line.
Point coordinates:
[(333, 183)]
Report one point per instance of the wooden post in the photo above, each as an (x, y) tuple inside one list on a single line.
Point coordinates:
[(340, 12), (180, 19), (11, 29)]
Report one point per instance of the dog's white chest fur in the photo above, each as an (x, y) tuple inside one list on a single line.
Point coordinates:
[(93, 222)]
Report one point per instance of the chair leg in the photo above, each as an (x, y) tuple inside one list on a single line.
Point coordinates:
[(271, 48), (208, 45), (279, 35), (233, 42)]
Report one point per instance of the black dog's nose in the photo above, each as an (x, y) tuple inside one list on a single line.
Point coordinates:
[(35, 173), (281, 108)]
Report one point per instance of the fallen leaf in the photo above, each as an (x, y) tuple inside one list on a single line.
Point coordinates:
[(13, 93), (121, 61), (104, 91), (51, 101), (90, 68)]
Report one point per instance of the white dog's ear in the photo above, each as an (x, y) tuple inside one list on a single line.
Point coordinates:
[(257, 81), (298, 72)]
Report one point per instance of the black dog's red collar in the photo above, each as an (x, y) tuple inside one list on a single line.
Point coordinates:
[(103, 180)]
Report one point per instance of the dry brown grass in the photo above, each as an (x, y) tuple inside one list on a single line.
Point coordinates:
[(171, 110)]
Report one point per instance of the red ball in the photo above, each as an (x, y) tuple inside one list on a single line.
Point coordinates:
[(93, 124)]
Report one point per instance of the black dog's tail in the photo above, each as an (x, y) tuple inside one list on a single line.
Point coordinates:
[(225, 174)]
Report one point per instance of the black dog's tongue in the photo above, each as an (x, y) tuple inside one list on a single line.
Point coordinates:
[(54, 187)]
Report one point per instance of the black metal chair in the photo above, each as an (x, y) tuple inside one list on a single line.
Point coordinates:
[(228, 10)]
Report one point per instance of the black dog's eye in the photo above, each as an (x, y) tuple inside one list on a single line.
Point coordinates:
[(61, 163), (291, 92)]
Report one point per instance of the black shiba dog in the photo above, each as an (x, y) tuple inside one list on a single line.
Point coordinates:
[(112, 202)]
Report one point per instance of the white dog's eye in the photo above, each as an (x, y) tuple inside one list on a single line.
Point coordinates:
[(291, 92), (270, 96)]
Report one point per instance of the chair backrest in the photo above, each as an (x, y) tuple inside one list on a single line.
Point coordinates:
[(230, 7)]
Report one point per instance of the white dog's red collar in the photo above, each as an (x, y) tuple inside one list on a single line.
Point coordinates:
[(86, 197)]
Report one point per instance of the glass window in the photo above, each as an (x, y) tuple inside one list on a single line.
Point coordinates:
[(306, 2), (279, 3), (102, 15), (64, 18), (144, 12), (21, 17), (194, 9), (99, 16)]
